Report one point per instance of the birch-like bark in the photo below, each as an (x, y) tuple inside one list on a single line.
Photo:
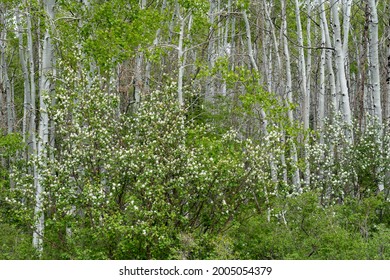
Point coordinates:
[(45, 88), (226, 44), (26, 83), (329, 60), (2, 54), (361, 62), (4, 79), (346, 23), (375, 74), (138, 84), (340, 64), (304, 89), (210, 87), (37, 239), (374, 60), (347, 5), (31, 106), (388, 71), (308, 57), (321, 93), (181, 53), (294, 158)]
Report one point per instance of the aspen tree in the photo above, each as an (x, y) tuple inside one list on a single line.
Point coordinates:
[(26, 84), (45, 88), (182, 50), (387, 94), (5, 82), (329, 60), (340, 65), (375, 72), (294, 157), (321, 94), (305, 92)]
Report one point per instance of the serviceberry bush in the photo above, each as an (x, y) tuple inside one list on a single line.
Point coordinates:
[(150, 184)]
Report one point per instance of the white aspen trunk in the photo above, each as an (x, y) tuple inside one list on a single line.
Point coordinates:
[(249, 43), (45, 87), (375, 74), (37, 239), (387, 93), (276, 75), (233, 43), (321, 94), (6, 83), (346, 23), (374, 60), (305, 93), (308, 57), (369, 100), (26, 88), (4, 79), (181, 54), (388, 73), (340, 63), (2, 58), (32, 110), (329, 61), (210, 87), (180, 62), (294, 158), (347, 5), (9, 100), (138, 84), (226, 44)]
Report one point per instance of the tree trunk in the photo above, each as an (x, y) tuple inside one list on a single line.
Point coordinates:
[(375, 75), (26, 88), (340, 62), (294, 158), (45, 88), (305, 93)]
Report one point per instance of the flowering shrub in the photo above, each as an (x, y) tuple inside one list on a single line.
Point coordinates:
[(153, 184), (350, 169)]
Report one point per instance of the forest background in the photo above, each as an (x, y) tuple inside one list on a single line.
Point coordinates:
[(204, 129)]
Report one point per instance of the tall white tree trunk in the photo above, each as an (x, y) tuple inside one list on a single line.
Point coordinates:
[(5, 83), (388, 72), (294, 158), (138, 83), (304, 89), (211, 54), (340, 63), (329, 60), (4, 79), (374, 60), (321, 93), (181, 52), (26, 88), (45, 88), (375, 73)]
